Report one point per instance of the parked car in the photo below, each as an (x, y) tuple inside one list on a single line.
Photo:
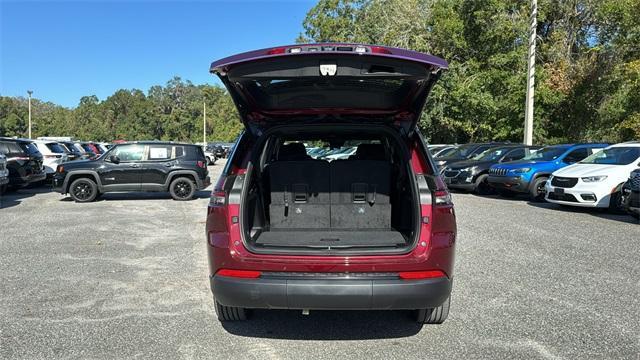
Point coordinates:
[(464, 152), (4, 173), (210, 155), (631, 194), (288, 231), (472, 174), (445, 152), (53, 155), (177, 168), (73, 152), (89, 150), (597, 180), (529, 175), (24, 162), (435, 148)]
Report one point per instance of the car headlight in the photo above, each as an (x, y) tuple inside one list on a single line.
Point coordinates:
[(590, 179), (521, 170)]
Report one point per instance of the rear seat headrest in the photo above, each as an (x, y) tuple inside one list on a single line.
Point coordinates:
[(370, 152), (292, 152)]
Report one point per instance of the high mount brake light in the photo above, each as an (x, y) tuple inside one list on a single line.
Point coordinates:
[(359, 49), (245, 274), (380, 50), (276, 51), (417, 275)]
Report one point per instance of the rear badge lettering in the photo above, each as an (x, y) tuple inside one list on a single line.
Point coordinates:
[(328, 69)]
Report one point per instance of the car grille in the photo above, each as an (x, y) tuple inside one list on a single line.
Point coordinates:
[(498, 171), (452, 173), (634, 181), (562, 197), (564, 182)]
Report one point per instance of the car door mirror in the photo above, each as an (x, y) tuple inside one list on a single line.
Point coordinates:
[(114, 159)]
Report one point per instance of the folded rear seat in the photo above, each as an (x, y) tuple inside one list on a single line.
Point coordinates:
[(300, 189), (360, 190)]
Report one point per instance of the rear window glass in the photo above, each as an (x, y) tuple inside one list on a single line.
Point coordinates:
[(56, 148), (179, 151), (159, 152), (369, 149), (29, 148)]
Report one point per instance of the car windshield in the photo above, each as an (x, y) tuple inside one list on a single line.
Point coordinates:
[(547, 154), (614, 156), (461, 151), (491, 154), (445, 152)]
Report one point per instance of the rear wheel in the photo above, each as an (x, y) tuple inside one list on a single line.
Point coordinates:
[(482, 186), (538, 190), (435, 315), (230, 313), (182, 188), (83, 190), (615, 203)]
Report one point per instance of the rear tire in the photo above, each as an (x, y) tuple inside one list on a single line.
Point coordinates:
[(83, 190), (230, 313), (435, 315), (615, 203), (538, 191), (482, 186), (182, 189)]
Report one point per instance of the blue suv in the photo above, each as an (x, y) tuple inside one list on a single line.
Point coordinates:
[(530, 174)]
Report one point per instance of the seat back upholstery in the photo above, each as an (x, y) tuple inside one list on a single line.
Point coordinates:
[(299, 194)]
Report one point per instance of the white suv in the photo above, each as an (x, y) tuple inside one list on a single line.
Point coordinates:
[(53, 154), (597, 180)]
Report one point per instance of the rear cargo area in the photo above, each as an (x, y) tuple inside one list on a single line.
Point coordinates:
[(300, 202)]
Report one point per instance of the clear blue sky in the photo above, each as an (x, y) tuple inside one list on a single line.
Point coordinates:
[(65, 50)]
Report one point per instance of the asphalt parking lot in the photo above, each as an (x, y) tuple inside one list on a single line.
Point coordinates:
[(126, 277)]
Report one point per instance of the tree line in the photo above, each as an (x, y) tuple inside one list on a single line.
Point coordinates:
[(587, 68), (587, 75), (170, 112)]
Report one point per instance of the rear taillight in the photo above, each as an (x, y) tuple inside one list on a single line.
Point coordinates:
[(443, 197), (245, 274), (417, 275), (60, 169), (201, 164), (218, 198)]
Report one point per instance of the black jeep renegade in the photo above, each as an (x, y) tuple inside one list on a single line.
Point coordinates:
[(180, 169)]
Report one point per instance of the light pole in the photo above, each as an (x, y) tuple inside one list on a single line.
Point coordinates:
[(29, 92), (204, 123), (531, 69)]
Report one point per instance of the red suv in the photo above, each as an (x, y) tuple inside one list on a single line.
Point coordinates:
[(330, 199)]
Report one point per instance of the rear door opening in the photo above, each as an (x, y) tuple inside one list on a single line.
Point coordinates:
[(299, 198)]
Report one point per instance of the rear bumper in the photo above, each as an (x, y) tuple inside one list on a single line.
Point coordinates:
[(318, 293), (513, 183)]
